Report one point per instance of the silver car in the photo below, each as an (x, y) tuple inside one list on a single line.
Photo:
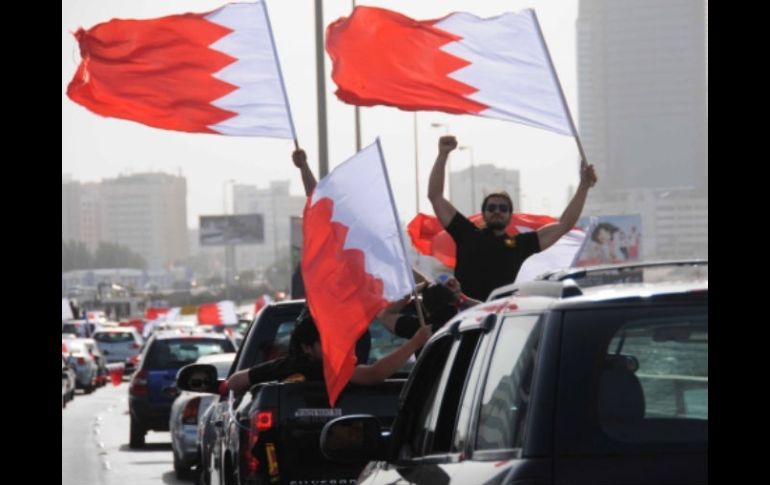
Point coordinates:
[(118, 344), (67, 383), (82, 360), (185, 415)]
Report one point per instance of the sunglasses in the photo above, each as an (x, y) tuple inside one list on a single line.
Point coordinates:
[(493, 207), (200, 382)]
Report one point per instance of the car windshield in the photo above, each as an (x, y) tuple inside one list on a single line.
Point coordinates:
[(113, 337), (174, 353)]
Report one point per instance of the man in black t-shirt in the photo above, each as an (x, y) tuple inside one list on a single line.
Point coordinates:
[(487, 257)]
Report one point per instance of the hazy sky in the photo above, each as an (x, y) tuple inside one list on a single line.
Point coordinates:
[(94, 147)]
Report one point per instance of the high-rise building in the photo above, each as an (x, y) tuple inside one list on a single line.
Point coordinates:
[(276, 206), (643, 117), (482, 179), (147, 212), (70, 210)]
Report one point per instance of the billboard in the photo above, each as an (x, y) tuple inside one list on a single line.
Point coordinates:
[(610, 239), (235, 229)]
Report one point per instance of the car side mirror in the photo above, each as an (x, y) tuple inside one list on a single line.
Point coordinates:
[(353, 439), (198, 378)]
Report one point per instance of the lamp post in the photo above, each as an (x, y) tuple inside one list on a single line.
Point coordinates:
[(224, 195), (473, 176)]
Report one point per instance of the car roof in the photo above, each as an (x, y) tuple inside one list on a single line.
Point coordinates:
[(542, 296), (177, 334), (599, 275), (216, 358)]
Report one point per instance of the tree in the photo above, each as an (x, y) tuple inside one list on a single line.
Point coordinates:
[(112, 255), (75, 255)]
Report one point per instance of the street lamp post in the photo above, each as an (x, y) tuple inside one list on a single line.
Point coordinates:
[(224, 195), (229, 247), (473, 176)]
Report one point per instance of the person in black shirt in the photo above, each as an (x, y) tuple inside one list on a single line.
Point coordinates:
[(487, 257), (305, 360)]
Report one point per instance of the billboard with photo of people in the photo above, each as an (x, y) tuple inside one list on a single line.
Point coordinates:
[(610, 239)]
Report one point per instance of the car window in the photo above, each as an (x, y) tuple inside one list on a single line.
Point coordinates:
[(113, 337), (414, 422), (384, 342), (174, 353), (506, 391), (664, 361), (634, 378)]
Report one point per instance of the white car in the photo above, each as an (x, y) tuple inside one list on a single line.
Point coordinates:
[(185, 414), (118, 344)]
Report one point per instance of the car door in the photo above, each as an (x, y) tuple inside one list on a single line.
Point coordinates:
[(423, 430), (632, 403)]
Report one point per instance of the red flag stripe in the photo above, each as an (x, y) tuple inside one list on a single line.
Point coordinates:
[(168, 83), (409, 70), (336, 278)]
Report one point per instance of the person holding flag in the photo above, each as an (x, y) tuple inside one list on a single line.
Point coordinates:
[(305, 360), (488, 257)]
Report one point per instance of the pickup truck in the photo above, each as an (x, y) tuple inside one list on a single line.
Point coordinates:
[(281, 428), (271, 434), (554, 383)]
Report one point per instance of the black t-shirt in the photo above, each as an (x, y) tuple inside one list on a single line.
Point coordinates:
[(283, 367), (486, 261)]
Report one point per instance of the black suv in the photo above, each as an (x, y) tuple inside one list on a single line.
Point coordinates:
[(558, 382)]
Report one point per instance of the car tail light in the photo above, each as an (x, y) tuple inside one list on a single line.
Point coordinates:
[(139, 384), (260, 422), (263, 420), (135, 346), (190, 413)]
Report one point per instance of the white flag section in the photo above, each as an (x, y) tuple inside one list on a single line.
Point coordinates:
[(559, 256), (510, 67), (260, 101), (362, 203)]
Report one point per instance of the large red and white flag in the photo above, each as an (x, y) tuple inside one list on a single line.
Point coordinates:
[(495, 67), (354, 260), (215, 72), (222, 313), (430, 238)]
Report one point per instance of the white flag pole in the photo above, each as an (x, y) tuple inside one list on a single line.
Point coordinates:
[(280, 73), (558, 85), (400, 234)]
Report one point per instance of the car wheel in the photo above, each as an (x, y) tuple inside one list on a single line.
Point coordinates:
[(137, 434), (182, 471), (201, 471)]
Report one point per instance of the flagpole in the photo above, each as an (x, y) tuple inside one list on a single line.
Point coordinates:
[(558, 85), (417, 304), (280, 73)]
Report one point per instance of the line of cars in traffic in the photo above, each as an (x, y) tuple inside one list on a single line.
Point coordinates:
[(596, 375), (590, 375), (87, 351)]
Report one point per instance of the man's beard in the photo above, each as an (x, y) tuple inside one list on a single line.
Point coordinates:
[(496, 225)]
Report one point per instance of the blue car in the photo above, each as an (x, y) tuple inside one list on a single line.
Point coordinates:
[(153, 385)]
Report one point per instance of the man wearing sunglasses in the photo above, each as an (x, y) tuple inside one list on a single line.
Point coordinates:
[(487, 257)]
